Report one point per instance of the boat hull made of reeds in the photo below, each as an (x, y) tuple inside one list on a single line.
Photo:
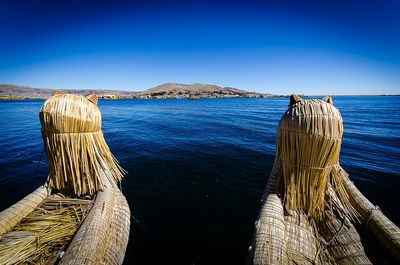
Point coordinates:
[(101, 238)]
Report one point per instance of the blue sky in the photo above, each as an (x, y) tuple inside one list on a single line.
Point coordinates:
[(280, 47)]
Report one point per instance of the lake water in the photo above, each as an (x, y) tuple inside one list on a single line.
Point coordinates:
[(197, 168)]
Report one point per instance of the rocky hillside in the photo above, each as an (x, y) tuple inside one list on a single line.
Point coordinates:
[(169, 90), (174, 90), (25, 92)]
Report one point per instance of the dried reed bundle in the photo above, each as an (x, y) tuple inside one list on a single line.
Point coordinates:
[(41, 235), (308, 144), (103, 236), (314, 222), (76, 149), (15, 213)]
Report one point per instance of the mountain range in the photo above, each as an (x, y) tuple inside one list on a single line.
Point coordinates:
[(168, 90)]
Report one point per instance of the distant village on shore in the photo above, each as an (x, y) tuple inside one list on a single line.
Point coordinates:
[(168, 90)]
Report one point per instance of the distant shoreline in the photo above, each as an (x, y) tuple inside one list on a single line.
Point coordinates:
[(133, 98), (127, 98), (164, 91), (168, 90)]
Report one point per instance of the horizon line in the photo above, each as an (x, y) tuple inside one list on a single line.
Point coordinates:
[(252, 91)]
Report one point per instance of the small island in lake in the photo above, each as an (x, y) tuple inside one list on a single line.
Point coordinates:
[(168, 90)]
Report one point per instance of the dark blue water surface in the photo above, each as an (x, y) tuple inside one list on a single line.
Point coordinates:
[(197, 168)]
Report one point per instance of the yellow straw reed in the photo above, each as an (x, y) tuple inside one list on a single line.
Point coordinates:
[(308, 144), (44, 233), (76, 149)]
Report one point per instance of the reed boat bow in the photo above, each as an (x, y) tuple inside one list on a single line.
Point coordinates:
[(311, 212), (79, 216)]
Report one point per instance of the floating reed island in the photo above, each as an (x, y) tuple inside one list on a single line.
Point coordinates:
[(79, 216), (312, 213)]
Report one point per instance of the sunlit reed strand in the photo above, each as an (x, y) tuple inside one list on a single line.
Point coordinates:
[(76, 149), (308, 144)]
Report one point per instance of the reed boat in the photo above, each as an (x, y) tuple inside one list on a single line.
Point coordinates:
[(79, 215), (311, 211)]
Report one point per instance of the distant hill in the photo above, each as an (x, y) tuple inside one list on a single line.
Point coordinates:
[(168, 90), (25, 92), (174, 90)]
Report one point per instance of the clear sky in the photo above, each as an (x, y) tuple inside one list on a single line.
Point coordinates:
[(281, 47)]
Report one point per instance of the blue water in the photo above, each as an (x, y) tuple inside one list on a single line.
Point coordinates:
[(197, 168)]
